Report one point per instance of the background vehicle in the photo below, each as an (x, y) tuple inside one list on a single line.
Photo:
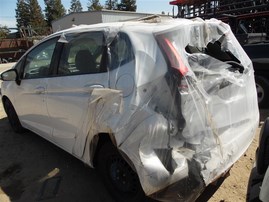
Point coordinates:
[(259, 54), (160, 109), (258, 187), (249, 21)]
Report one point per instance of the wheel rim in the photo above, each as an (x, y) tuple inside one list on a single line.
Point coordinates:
[(260, 93), (122, 176)]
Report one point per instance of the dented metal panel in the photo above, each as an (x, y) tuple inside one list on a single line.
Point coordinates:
[(183, 108), (178, 100)]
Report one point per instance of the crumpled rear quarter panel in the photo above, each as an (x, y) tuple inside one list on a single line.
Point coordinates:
[(181, 132)]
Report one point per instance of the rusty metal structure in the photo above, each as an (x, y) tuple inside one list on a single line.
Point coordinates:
[(12, 49), (244, 16), (16, 44)]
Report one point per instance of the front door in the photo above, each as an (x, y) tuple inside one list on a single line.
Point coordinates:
[(30, 98)]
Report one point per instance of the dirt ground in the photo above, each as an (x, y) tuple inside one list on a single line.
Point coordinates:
[(234, 188), (33, 169)]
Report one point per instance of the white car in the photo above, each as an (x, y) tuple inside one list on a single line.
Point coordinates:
[(162, 107)]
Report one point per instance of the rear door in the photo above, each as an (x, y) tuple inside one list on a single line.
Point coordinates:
[(81, 71)]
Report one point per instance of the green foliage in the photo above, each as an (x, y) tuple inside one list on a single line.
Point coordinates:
[(75, 6), (53, 10), (111, 4), (94, 5), (37, 21), (3, 31), (29, 14), (22, 13), (127, 5), (124, 5)]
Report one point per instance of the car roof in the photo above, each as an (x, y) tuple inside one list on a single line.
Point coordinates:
[(144, 25)]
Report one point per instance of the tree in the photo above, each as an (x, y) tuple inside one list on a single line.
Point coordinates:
[(75, 6), (3, 31), (94, 5), (127, 5), (37, 20), (111, 4), (29, 13), (53, 10), (22, 13)]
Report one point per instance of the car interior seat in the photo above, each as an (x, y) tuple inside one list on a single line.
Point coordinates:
[(85, 62)]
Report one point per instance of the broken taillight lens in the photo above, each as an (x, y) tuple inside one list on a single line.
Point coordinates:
[(172, 55)]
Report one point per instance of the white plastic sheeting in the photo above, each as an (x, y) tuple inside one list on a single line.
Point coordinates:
[(182, 105)]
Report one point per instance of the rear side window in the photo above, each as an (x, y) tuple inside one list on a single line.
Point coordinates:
[(121, 51), (84, 53)]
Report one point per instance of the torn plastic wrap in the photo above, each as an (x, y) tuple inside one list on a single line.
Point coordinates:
[(181, 105)]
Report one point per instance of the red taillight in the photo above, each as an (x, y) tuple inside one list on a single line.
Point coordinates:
[(173, 56)]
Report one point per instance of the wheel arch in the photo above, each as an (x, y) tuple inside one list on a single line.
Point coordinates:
[(98, 141)]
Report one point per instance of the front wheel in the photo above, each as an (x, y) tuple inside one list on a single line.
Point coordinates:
[(13, 117), (119, 178)]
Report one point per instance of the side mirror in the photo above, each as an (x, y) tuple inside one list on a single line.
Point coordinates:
[(10, 75)]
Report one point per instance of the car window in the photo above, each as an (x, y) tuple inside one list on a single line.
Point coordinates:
[(121, 51), (83, 54), (39, 59)]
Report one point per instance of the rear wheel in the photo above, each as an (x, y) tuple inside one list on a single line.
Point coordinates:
[(119, 178), (13, 117)]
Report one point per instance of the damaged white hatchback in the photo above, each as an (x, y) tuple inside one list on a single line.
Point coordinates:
[(162, 107)]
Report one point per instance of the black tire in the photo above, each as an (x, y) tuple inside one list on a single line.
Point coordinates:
[(262, 153), (262, 86), (13, 117), (119, 178), (254, 185)]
